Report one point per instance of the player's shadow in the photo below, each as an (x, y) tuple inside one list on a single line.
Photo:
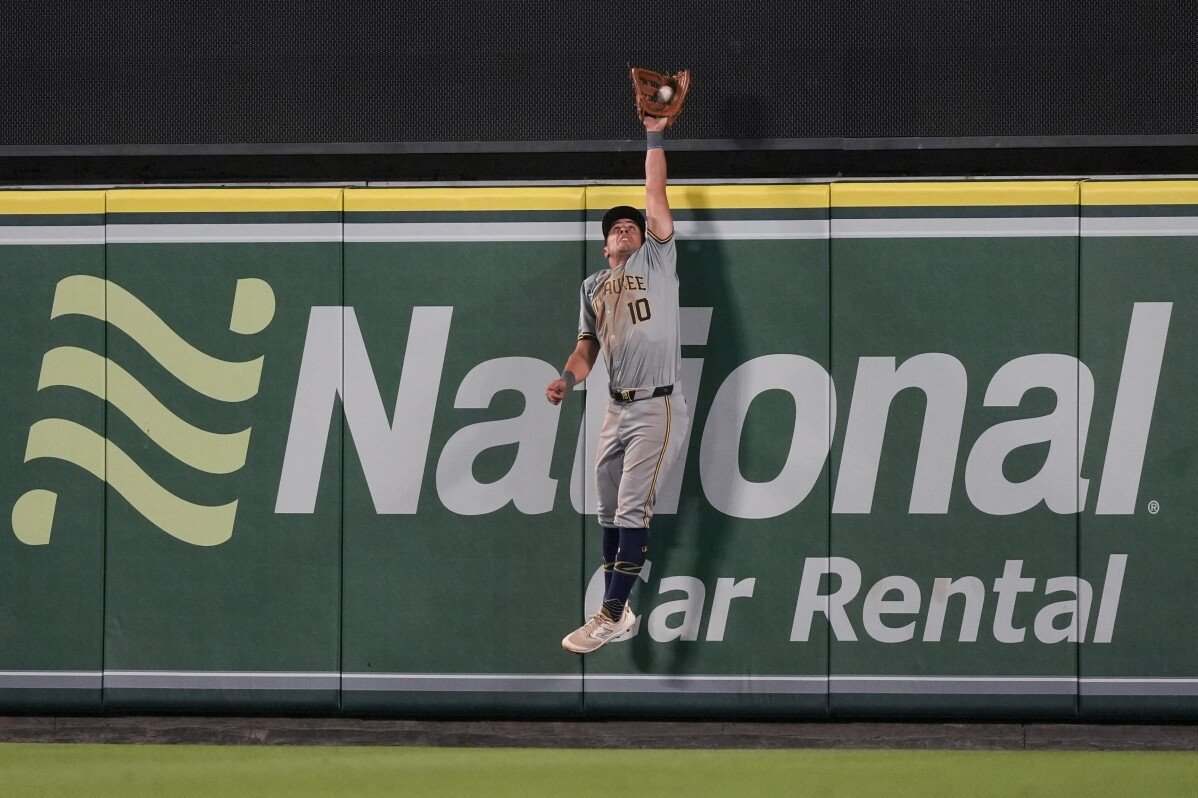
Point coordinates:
[(693, 541)]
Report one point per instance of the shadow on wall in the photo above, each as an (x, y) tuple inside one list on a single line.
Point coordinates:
[(693, 540)]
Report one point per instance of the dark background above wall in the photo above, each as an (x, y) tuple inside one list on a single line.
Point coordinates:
[(136, 90)]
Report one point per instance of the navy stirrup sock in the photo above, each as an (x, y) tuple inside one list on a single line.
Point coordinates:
[(630, 557), (611, 544)]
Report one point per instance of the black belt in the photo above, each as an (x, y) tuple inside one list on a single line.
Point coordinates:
[(631, 395)]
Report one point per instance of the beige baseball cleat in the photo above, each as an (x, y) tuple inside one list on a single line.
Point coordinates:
[(600, 629)]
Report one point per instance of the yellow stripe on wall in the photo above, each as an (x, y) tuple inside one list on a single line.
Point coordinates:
[(704, 197), (520, 198), (226, 200), (569, 198), (51, 202), (1141, 192), (971, 193)]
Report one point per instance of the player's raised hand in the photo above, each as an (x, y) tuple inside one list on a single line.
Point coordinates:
[(655, 124), (556, 392)]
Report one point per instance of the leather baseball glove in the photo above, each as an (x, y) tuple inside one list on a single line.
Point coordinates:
[(647, 84)]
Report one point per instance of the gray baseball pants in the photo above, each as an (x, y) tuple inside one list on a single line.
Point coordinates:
[(638, 443)]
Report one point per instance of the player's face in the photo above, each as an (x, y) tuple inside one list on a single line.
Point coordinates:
[(623, 239)]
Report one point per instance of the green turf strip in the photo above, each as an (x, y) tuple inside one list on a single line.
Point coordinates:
[(185, 770)]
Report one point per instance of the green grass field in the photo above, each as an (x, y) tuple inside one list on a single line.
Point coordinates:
[(185, 770)]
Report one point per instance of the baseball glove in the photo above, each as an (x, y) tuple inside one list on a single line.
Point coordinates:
[(647, 83)]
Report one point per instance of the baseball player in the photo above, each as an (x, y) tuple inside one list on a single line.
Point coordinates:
[(630, 311)]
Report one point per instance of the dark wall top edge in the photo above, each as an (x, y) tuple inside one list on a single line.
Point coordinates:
[(627, 164), (615, 145)]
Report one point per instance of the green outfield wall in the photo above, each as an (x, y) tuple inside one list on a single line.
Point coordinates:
[(287, 450)]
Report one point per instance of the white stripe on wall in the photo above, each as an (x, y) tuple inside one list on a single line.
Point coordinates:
[(222, 680), (51, 235), (972, 227), (368, 232), (58, 680), (1113, 226), (1165, 687), (784, 229), (598, 683), (223, 233), (954, 685), (642, 683), (736, 229), (464, 682)]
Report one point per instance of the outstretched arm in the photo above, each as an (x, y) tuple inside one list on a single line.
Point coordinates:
[(579, 365), (657, 207)]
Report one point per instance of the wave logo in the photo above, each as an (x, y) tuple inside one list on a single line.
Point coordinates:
[(209, 452)]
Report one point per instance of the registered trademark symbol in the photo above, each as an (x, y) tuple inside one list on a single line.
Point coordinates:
[(1154, 507)]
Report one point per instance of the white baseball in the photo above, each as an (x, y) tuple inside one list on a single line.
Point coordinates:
[(665, 94)]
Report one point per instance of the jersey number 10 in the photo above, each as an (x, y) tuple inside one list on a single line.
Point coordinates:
[(639, 310)]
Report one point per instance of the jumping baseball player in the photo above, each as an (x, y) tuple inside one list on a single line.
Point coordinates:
[(630, 311)]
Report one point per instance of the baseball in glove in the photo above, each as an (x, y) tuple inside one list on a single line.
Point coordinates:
[(660, 95)]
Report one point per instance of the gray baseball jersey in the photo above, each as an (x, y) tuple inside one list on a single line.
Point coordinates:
[(632, 311)]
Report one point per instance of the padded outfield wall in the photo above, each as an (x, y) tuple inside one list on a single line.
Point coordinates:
[(287, 450)]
